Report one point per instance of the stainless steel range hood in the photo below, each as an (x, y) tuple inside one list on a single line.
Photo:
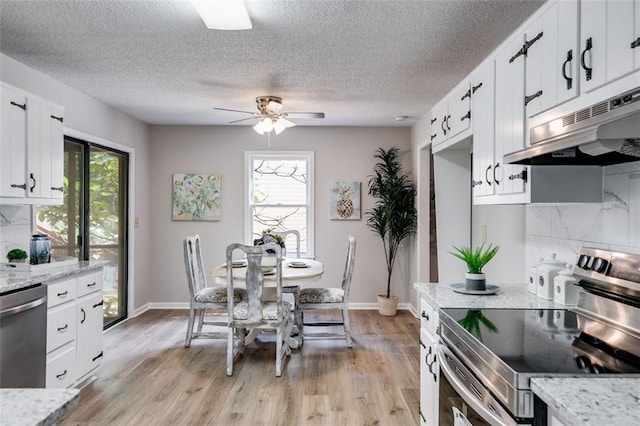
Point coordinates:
[(603, 134)]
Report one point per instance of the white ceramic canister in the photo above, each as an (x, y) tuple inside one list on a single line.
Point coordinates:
[(532, 277), (566, 288), (546, 273)]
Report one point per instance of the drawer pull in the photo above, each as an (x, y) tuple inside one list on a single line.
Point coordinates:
[(98, 304), (425, 315), (61, 375), (63, 293), (84, 315), (93, 284), (61, 329), (422, 344), (97, 356)]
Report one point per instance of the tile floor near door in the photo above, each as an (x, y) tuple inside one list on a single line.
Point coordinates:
[(148, 377)]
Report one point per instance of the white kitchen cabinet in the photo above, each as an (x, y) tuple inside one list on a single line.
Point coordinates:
[(439, 129), (607, 31), (74, 329), (451, 116), (32, 149), (429, 364), (482, 109), (13, 142)]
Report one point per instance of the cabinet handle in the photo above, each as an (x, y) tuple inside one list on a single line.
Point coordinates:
[(486, 175), (57, 188), (467, 116), (34, 182), (425, 315), (522, 175), (474, 88), (21, 106), (444, 121), (564, 69), (61, 375), (93, 284), (63, 328), (494, 174), (426, 358), (635, 43), (63, 294), (447, 121), (529, 98), (60, 119), (98, 304), (433, 137), (97, 356), (422, 344), (466, 95), (587, 69), (23, 186), (475, 183), (433, 120), (84, 315)]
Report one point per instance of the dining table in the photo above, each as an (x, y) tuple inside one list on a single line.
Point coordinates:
[(296, 272)]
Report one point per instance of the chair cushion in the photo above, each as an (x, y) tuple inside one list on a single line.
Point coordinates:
[(219, 295), (321, 295), (269, 310)]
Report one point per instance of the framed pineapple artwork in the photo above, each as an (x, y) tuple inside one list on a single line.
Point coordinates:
[(345, 200)]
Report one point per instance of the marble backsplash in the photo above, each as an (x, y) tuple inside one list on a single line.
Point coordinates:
[(613, 224), (15, 229)]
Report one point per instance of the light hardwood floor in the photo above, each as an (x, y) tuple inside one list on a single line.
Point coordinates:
[(150, 378)]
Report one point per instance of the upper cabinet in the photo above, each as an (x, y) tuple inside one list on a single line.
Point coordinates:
[(608, 34), (451, 117), (31, 148), (482, 105)]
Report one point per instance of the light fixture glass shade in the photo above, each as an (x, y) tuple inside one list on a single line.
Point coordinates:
[(279, 126), (259, 128), (223, 14), (267, 124), (286, 122), (274, 106)]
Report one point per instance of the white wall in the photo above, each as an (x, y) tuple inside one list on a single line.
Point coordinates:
[(85, 115), (340, 154)]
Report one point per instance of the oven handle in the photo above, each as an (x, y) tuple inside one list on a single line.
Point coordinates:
[(467, 394), (24, 307)]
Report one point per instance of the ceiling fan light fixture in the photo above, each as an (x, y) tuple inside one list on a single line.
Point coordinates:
[(279, 126), (223, 14), (274, 107), (259, 129), (286, 122)]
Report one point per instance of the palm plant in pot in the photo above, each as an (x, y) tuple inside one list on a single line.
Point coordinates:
[(475, 260), (393, 216)]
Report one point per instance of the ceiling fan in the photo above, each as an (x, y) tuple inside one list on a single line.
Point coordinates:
[(270, 116)]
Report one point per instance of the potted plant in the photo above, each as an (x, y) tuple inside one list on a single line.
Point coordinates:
[(17, 256), (475, 259), (269, 238), (393, 216)]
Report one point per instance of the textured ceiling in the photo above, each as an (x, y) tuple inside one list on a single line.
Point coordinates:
[(360, 62)]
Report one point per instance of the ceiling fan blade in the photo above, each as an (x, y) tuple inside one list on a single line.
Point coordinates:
[(305, 114), (243, 119), (234, 110)]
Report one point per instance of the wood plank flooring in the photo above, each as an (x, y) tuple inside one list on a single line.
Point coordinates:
[(150, 378)]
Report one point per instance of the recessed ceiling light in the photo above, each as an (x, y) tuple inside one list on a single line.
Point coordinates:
[(401, 117), (223, 14)]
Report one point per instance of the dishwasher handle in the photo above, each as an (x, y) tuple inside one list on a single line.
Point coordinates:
[(24, 307)]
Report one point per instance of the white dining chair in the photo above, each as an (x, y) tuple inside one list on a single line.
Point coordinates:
[(202, 297), (319, 299), (254, 313), (285, 236)]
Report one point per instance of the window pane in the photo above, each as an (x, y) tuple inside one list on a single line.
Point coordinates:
[(282, 219), (279, 182)]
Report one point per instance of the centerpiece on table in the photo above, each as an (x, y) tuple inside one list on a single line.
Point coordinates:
[(268, 237), (475, 279)]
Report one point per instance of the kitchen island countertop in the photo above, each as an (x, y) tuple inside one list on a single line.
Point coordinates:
[(591, 401), (10, 280), (28, 407), (510, 296)]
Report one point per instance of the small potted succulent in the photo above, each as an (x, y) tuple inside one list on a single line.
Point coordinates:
[(17, 256), (475, 260)]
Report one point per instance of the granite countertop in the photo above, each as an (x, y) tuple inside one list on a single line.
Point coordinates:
[(510, 296), (591, 401), (10, 280), (28, 407)]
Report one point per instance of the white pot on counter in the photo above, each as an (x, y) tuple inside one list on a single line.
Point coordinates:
[(566, 288), (532, 277), (546, 273)]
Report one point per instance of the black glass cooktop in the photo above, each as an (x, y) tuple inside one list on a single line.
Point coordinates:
[(545, 341)]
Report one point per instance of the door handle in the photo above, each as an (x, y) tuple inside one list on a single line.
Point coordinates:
[(486, 175), (494, 174), (84, 315), (568, 79), (587, 69), (34, 182)]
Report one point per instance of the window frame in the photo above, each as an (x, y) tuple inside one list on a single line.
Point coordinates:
[(307, 156)]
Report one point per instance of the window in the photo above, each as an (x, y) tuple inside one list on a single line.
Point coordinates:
[(280, 196)]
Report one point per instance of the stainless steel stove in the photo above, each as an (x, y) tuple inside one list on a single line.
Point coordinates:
[(601, 335)]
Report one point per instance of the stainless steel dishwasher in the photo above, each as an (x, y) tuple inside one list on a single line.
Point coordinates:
[(23, 338)]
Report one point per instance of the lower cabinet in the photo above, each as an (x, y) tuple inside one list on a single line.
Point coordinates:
[(429, 365), (74, 329)]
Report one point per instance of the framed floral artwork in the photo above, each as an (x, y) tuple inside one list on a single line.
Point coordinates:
[(196, 197), (345, 200)]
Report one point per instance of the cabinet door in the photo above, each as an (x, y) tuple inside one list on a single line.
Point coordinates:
[(459, 116), (509, 118), (38, 151), (57, 152), (593, 35), (541, 62), (568, 53), (13, 143), (439, 129), (620, 30), (428, 380), (482, 109), (635, 42), (89, 343)]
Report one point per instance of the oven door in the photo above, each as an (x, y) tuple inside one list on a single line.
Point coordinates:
[(463, 398)]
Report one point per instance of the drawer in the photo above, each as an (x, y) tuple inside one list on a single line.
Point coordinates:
[(61, 368), (428, 317), (88, 283), (61, 326), (60, 292)]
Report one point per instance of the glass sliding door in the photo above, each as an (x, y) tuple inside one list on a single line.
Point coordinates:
[(92, 222)]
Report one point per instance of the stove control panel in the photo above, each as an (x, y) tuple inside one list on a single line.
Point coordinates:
[(608, 267)]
